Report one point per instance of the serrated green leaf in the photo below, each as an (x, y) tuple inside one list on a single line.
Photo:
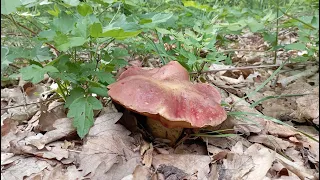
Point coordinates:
[(64, 24), (96, 104), (99, 91), (36, 73), (105, 77), (9, 6), (81, 110), (84, 9), (74, 94), (295, 46)]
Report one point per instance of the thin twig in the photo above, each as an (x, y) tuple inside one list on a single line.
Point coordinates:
[(252, 50), (246, 67), (5, 108)]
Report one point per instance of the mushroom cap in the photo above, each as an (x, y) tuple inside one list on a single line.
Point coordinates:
[(167, 95)]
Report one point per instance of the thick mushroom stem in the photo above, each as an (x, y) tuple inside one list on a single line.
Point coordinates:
[(156, 128)]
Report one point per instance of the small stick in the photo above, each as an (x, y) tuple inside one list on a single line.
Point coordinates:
[(242, 68), (5, 108)]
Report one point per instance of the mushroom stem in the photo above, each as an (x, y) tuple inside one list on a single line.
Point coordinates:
[(159, 131)]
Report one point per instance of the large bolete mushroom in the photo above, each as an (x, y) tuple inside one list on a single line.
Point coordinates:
[(166, 95)]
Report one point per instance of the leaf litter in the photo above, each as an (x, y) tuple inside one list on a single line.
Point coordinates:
[(38, 141)]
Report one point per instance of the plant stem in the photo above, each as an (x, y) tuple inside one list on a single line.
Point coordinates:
[(62, 90), (155, 46), (306, 24), (277, 34)]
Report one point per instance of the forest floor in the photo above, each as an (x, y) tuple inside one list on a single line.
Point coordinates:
[(38, 141)]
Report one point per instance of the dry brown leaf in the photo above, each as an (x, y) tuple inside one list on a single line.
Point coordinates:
[(308, 107), (107, 151), (296, 168), (226, 142), (190, 164), (198, 149), (307, 73), (280, 130), (147, 157), (24, 167), (141, 173), (50, 114), (63, 127), (256, 125), (254, 163), (270, 141), (11, 133)]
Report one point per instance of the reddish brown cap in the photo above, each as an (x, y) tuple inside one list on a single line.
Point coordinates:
[(167, 95)]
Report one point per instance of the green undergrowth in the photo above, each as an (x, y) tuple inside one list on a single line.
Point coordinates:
[(81, 44)]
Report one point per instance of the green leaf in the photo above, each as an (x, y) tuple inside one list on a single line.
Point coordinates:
[(119, 62), (84, 9), (4, 60), (105, 77), (161, 17), (95, 29), (36, 73), (47, 34), (101, 91), (119, 33), (254, 25), (82, 111), (295, 46), (9, 6), (64, 24), (72, 2), (74, 94), (119, 53), (77, 41), (54, 12)]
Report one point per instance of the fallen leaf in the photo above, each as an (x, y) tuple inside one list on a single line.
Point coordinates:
[(50, 114), (270, 141), (188, 163), (108, 150), (24, 167), (141, 173), (63, 127), (254, 163)]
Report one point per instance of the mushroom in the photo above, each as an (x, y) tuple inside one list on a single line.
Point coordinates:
[(165, 95)]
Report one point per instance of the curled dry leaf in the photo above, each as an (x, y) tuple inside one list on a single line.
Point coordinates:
[(63, 127), (108, 150), (296, 168)]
